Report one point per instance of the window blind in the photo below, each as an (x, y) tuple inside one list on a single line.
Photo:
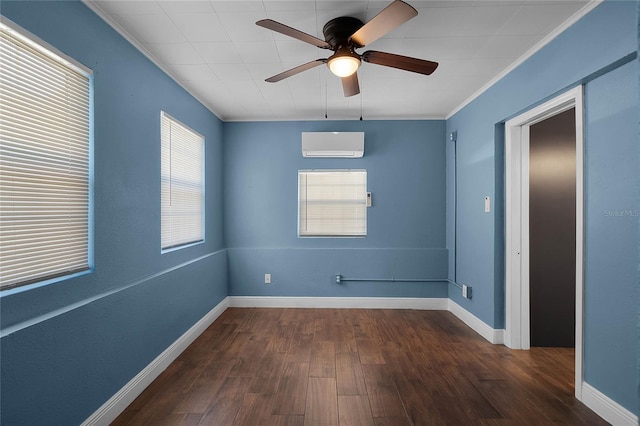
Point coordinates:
[(44, 163), (182, 184), (332, 203)]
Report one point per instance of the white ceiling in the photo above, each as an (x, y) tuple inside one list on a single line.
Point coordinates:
[(216, 52)]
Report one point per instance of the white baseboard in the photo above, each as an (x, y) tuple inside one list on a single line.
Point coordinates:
[(125, 396), (607, 408), (476, 324), (437, 304)]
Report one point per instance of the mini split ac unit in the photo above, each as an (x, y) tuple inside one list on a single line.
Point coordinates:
[(333, 144)]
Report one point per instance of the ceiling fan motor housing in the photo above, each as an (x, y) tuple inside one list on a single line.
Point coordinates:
[(338, 30)]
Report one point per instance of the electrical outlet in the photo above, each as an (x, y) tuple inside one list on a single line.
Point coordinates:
[(267, 278), (466, 291)]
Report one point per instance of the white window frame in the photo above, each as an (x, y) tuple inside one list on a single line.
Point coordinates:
[(340, 212), (45, 163), (182, 178)]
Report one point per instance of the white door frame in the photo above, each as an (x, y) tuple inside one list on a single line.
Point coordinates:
[(517, 330)]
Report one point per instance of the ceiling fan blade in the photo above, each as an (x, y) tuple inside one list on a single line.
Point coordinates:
[(406, 63), (296, 70), (292, 32), (350, 85), (391, 17)]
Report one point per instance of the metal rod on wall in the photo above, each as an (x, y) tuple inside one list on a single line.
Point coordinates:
[(340, 278)]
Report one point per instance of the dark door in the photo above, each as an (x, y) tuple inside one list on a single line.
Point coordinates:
[(552, 230)]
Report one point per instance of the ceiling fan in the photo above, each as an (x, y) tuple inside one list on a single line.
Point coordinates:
[(343, 35)]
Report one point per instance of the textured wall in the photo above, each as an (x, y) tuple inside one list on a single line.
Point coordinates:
[(405, 163), (593, 52), (69, 346), (612, 208)]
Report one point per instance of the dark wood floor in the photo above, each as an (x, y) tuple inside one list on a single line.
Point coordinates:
[(357, 367)]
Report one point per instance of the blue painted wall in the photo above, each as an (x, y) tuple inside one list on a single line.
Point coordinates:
[(612, 208), (405, 163), (592, 52), (68, 347)]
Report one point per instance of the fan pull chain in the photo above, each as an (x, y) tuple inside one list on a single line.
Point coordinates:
[(326, 98), (360, 105)]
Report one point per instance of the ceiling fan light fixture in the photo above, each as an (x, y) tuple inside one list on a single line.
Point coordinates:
[(343, 65)]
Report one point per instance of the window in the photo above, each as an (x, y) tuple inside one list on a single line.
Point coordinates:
[(182, 184), (332, 203), (44, 161)]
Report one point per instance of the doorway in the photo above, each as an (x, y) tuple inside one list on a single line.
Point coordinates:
[(552, 231), (528, 209)]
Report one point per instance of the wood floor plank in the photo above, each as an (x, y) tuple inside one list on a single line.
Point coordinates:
[(247, 360), (288, 420), (204, 387), (390, 421), (383, 394), (322, 327), (330, 326), (281, 338), (323, 359), (369, 350), (449, 408), (386, 330), (398, 361), (300, 350), (234, 346), (345, 339), (252, 318), (255, 409), (322, 402), (227, 401), (349, 376), (263, 321), (363, 325), (292, 392), (198, 399), (354, 410), (436, 380), (419, 406), (181, 420), (218, 368), (268, 373), (288, 316), (306, 327)]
